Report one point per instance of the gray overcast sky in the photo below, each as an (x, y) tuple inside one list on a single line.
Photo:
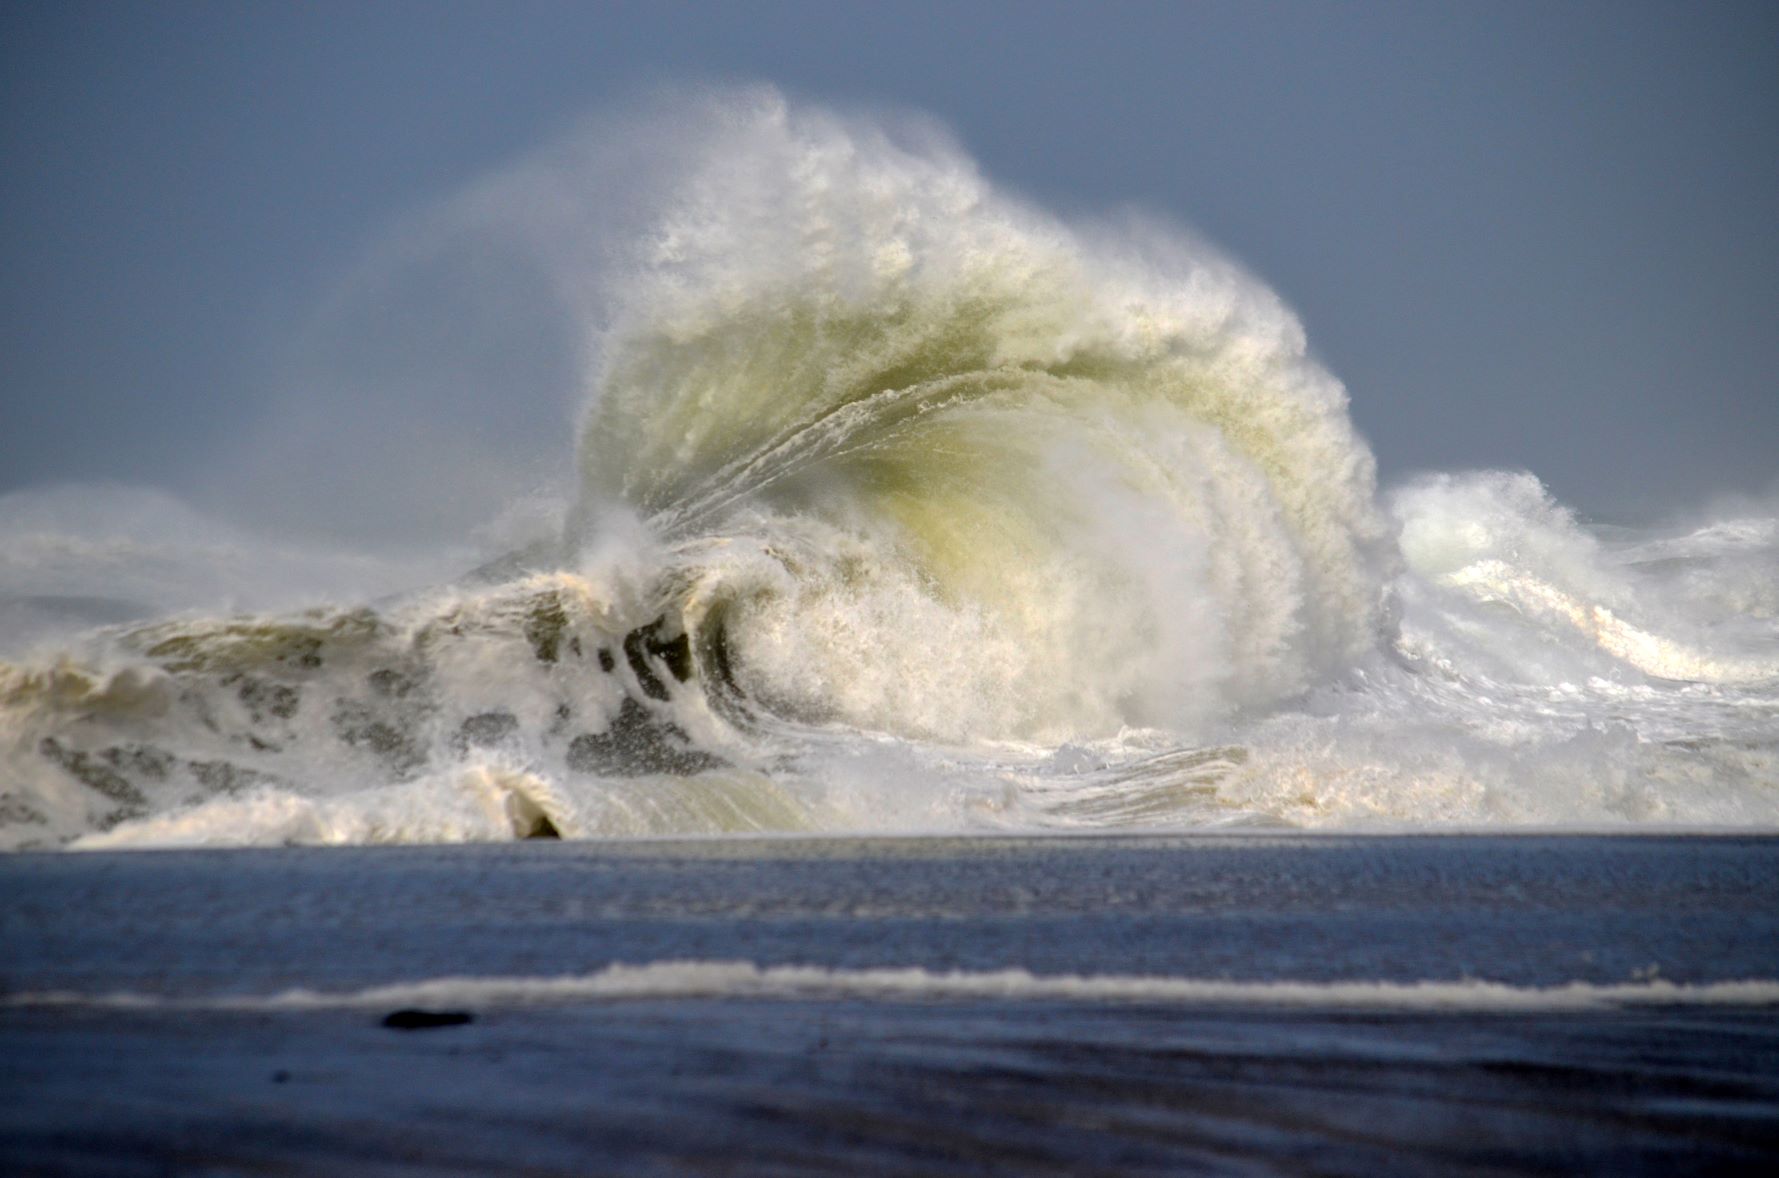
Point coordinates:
[(1526, 235)]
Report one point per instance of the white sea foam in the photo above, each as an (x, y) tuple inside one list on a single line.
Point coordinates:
[(694, 980)]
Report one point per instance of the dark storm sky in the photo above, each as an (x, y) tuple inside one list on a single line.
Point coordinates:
[(1535, 236)]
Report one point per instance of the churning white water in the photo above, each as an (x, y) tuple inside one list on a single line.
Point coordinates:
[(904, 505)]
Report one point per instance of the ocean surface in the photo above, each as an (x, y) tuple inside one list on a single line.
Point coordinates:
[(1232, 1004), (901, 509)]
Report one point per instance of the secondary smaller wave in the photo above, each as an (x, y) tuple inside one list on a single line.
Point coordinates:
[(705, 980), (1504, 578)]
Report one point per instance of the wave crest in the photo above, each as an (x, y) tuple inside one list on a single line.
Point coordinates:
[(1019, 480)]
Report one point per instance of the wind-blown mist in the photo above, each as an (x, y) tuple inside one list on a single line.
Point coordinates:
[(899, 504)]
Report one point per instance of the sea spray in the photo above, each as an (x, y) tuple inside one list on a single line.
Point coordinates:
[(1095, 472)]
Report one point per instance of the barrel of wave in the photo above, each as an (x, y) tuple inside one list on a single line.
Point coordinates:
[(1008, 477)]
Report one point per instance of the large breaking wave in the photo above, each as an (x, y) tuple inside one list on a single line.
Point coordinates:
[(904, 505)]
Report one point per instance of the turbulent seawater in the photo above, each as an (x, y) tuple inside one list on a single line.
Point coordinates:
[(905, 506)]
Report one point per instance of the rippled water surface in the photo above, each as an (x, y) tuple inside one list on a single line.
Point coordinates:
[(1088, 1005)]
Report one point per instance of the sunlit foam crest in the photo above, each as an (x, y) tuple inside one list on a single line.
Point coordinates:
[(1095, 473)]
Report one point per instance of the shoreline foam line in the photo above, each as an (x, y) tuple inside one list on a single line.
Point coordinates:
[(747, 980)]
